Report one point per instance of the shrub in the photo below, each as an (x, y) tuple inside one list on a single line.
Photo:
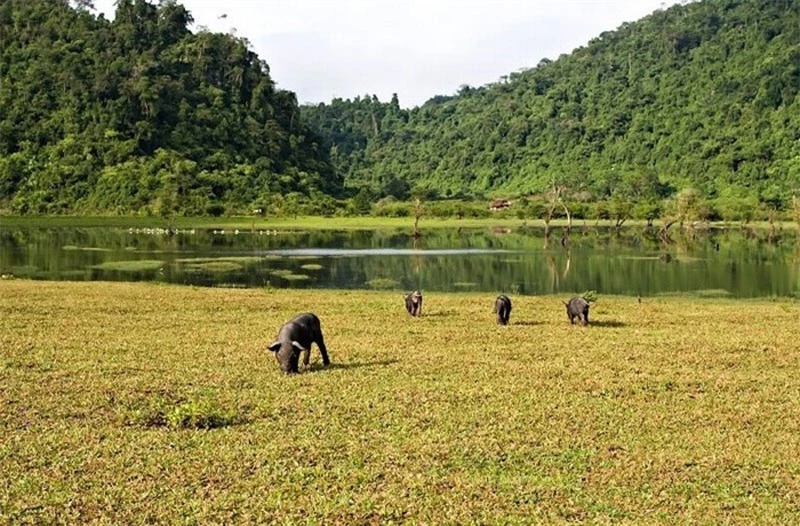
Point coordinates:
[(215, 209), (200, 413), (392, 208), (456, 208)]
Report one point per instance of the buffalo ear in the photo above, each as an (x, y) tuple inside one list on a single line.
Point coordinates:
[(566, 303), (297, 346), (274, 346)]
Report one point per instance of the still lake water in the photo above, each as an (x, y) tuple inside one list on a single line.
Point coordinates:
[(733, 262)]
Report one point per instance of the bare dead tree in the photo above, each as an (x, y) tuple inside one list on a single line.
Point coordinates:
[(418, 211), (555, 277), (548, 214), (772, 212), (566, 211), (567, 265), (663, 233), (555, 200)]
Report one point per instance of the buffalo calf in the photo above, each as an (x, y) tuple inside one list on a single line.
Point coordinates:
[(414, 303), (295, 336), (502, 307), (578, 307)]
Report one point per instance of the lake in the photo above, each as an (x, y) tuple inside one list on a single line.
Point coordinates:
[(719, 262)]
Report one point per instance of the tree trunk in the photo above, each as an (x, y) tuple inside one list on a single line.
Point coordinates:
[(417, 216), (664, 232), (569, 218)]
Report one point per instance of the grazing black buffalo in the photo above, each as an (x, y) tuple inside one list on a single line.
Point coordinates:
[(502, 307), (578, 307), (295, 336), (414, 303)]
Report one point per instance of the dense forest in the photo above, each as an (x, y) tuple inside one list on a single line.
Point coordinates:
[(140, 115), (695, 106), (699, 101)]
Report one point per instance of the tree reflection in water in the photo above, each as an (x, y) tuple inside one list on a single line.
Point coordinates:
[(742, 262)]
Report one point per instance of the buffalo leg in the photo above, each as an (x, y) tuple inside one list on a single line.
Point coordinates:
[(323, 351)]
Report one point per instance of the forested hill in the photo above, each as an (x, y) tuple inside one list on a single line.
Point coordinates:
[(140, 115), (702, 95)]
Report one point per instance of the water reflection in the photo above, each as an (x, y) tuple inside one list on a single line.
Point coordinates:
[(742, 263)]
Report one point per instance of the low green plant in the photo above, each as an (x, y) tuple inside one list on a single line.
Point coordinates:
[(296, 277), (195, 413), (214, 266), (383, 283), (136, 265), (590, 296)]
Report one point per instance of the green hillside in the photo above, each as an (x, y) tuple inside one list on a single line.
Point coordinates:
[(703, 95), (140, 115)]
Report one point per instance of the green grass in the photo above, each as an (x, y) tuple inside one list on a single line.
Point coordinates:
[(214, 266), (289, 275), (136, 265), (383, 283), (129, 403), (296, 277), (321, 223), (230, 259), (85, 249), (220, 264)]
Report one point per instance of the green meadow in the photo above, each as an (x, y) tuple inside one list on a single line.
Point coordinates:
[(303, 222), (142, 403)]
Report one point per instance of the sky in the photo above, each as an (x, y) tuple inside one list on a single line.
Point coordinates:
[(322, 49)]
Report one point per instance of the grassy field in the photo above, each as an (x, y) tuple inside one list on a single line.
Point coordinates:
[(322, 223), (132, 403)]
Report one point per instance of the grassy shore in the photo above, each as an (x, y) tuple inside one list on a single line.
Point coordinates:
[(338, 223), (130, 403)]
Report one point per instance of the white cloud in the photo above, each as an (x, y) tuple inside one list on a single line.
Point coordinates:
[(322, 49)]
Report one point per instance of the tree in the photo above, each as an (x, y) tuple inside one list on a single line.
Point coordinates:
[(621, 210), (554, 200), (418, 212), (363, 200), (397, 188)]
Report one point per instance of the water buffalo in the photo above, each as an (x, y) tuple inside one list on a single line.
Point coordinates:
[(502, 307), (577, 307), (414, 303), (295, 336)]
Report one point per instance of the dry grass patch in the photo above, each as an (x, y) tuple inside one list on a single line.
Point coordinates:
[(124, 402)]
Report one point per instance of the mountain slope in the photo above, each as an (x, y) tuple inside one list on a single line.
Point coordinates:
[(140, 115), (702, 95)]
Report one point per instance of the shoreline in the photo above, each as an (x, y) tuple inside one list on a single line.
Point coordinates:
[(354, 223), (700, 295)]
